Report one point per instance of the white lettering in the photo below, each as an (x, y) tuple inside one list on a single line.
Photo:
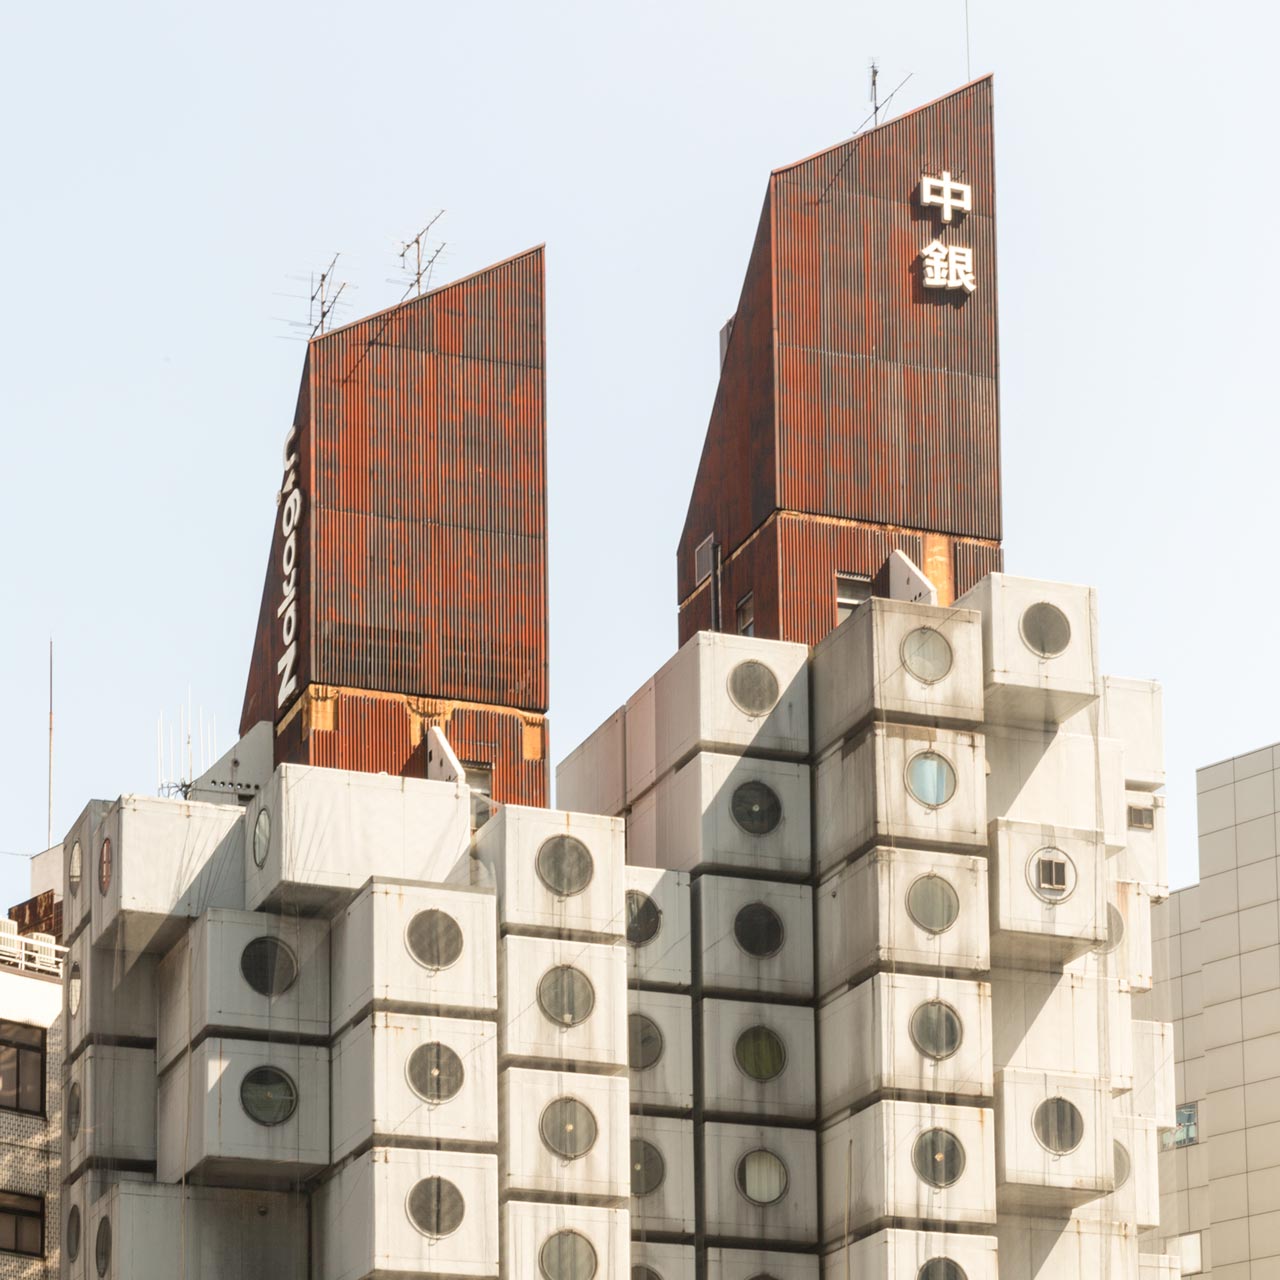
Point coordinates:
[(948, 267), (946, 193), (287, 610), (290, 553), (290, 627), (288, 679)]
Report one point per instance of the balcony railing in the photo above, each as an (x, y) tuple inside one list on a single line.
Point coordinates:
[(32, 952)]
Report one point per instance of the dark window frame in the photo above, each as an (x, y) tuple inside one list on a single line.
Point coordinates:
[(7, 1041), (17, 1213), (746, 614)]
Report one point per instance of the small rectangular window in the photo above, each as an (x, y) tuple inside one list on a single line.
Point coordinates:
[(704, 559), (21, 1224), (21, 1068), (1052, 873), (851, 590), (1141, 818), (1186, 1133), (480, 779), (747, 615)]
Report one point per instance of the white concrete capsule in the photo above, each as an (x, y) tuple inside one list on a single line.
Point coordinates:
[(758, 1060), (658, 912), (107, 992), (905, 1033), (750, 1264), (80, 848), (756, 936), (720, 692), (899, 783), (406, 944), (652, 1261), (1040, 648), (394, 1212), (1059, 1022), (73, 1238), (902, 907), (1159, 1266), (564, 1242), (592, 778), (109, 1108), (760, 1185), (1152, 1097), (1136, 1198), (563, 1001), (663, 1194), (414, 1078), (1126, 953), (916, 1161), (555, 872), (326, 831), (660, 1049), (1050, 1248), (1145, 857), (1133, 713), (896, 1254), (895, 660)]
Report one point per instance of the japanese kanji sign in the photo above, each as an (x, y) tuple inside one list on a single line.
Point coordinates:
[(947, 266), (949, 195)]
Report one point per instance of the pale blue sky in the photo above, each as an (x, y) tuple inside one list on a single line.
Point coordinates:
[(167, 170)]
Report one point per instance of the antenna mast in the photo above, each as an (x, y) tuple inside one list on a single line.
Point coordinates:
[(420, 270), (874, 72), (320, 293), (48, 844)]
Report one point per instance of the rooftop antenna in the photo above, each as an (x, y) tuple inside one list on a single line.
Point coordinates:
[(968, 69), (874, 73), (420, 271), (48, 844), (323, 294)]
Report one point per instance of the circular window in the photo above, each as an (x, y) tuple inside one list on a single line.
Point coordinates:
[(753, 688), (1058, 1125), (938, 1157), (1051, 875), (104, 883), (933, 903), (74, 988), (433, 939), (762, 1177), (434, 1072), (567, 1255), (564, 865), (648, 1168), (435, 1206), (644, 1273), (568, 1128), (926, 655), (73, 1233), (1115, 931), (756, 808), (1123, 1165), (760, 1054), (1045, 629), (941, 1269), (758, 930), (930, 779), (645, 1043), (566, 996), (644, 918), (73, 1109), (261, 838), (268, 966), (268, 1096), (75, 868), (935, 1029), (102, 1247)]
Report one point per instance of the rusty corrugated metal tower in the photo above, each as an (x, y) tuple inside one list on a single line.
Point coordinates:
[(407, 585), (857, 411)]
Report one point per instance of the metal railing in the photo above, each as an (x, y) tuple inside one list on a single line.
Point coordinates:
[(33, 952)]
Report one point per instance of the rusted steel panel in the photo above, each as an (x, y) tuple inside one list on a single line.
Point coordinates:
[(973, 561)]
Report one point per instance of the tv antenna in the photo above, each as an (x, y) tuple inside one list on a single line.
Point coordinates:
[(421, 270), (873, 74), (323, 298)]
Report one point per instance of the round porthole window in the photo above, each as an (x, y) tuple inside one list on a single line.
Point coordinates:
[(1115, 931), (73, 1233), (644, 918), (758, 930), (268, 966), (760, 1054), (566, 996), (435, 1206), (568, 1128), (645, 1042), (938, 1157), (1045, 629), (648, 1168), (564, 865), (74, 982), (268, 1096), (926, 655), (756, 808), (102, 1247), (1051, 875), (435, 1073), (434, 939), (1123, 1165), (261, 838), (753, 688), (1058, 1125), (644, 1273), (762, 1177), (930, 779), (567, 1255), (73, 1109), (104, 873), (933, 903), (941, 1269), (935, 1029), (75, 868)]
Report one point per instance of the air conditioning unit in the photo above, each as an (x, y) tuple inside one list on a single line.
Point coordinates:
[(415, 1079), (1152, 1097), (733, 694), (653, 1261), (1053, 1139), (912, 1161), (1046, 1246), (157, 864), (900, 784), (757, 936), (896, 907), (592, 778), (80, 849), (896, 1254), (1061, 779), (1040, 648), (894, 660), (758, 1060), (658, 922), (760, 1185), (407, 945), (408, 1212), (1125, 955), (1145, 857), (565, 1133), (109, 1109), (750, 1264), (662, 1183), (1048, 893), (243, 971), (898, 1033), (555, 873), (1133, 712), (565, 1240), (326, 831), (107, 993), (660, 1049), (720, 812), (563, 1001), (242, 1110)]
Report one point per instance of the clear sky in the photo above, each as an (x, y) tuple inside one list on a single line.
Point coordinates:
[(172, 174)]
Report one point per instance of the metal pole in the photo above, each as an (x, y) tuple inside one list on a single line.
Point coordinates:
[(49, 832)]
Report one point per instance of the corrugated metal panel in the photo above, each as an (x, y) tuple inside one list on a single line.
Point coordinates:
[(974, 560)]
